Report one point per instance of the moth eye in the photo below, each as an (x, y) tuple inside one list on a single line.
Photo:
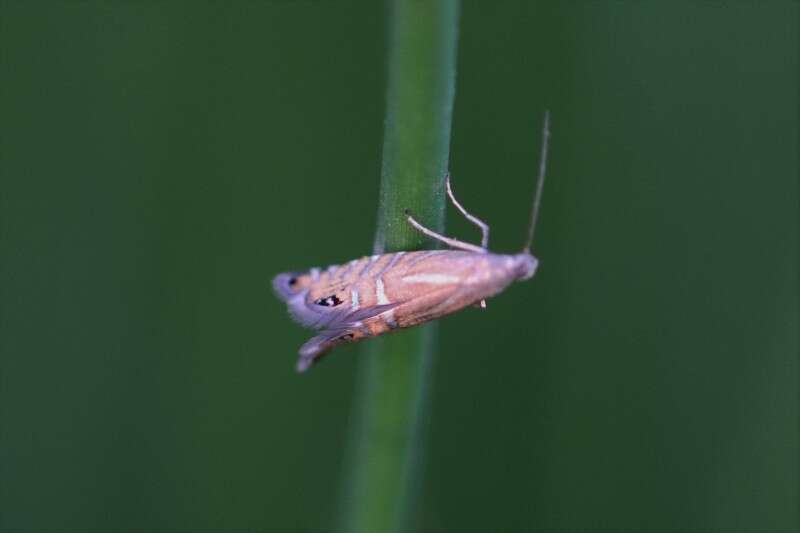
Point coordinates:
[(329, 301)]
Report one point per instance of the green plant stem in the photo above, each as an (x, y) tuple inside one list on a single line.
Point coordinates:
[(392, 399)]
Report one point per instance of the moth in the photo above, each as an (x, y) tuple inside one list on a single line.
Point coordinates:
[(382, 293)]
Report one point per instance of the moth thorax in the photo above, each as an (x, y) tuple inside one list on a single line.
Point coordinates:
[(525, 265)]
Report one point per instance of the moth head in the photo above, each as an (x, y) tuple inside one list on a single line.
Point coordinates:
[(287, 285), (525, 266)]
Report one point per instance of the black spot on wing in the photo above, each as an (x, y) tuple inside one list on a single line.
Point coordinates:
[(329, 301)]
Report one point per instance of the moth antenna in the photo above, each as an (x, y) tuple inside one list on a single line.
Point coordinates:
[(539, 183)]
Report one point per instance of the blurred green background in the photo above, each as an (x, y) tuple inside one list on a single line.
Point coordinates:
[(161, 161)]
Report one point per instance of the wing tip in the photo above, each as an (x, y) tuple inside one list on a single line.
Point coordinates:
[(311, 352), (303, 364), (316, 347)]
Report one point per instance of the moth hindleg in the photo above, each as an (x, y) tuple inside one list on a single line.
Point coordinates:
[(484, 227)]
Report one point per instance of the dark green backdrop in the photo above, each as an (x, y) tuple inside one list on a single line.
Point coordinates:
[(161, 161)]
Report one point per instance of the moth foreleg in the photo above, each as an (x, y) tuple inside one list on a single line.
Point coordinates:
[(484, 227)]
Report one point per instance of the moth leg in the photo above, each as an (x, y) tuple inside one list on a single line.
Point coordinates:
[(472, 218), (481, 304), (453, 243)]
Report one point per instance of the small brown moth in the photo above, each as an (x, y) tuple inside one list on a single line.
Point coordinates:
[(378, 294)]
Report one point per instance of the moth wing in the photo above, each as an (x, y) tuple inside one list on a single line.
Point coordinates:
[(313, 350), (340, 328), (325, 318), (311, 315), (354, 317)]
